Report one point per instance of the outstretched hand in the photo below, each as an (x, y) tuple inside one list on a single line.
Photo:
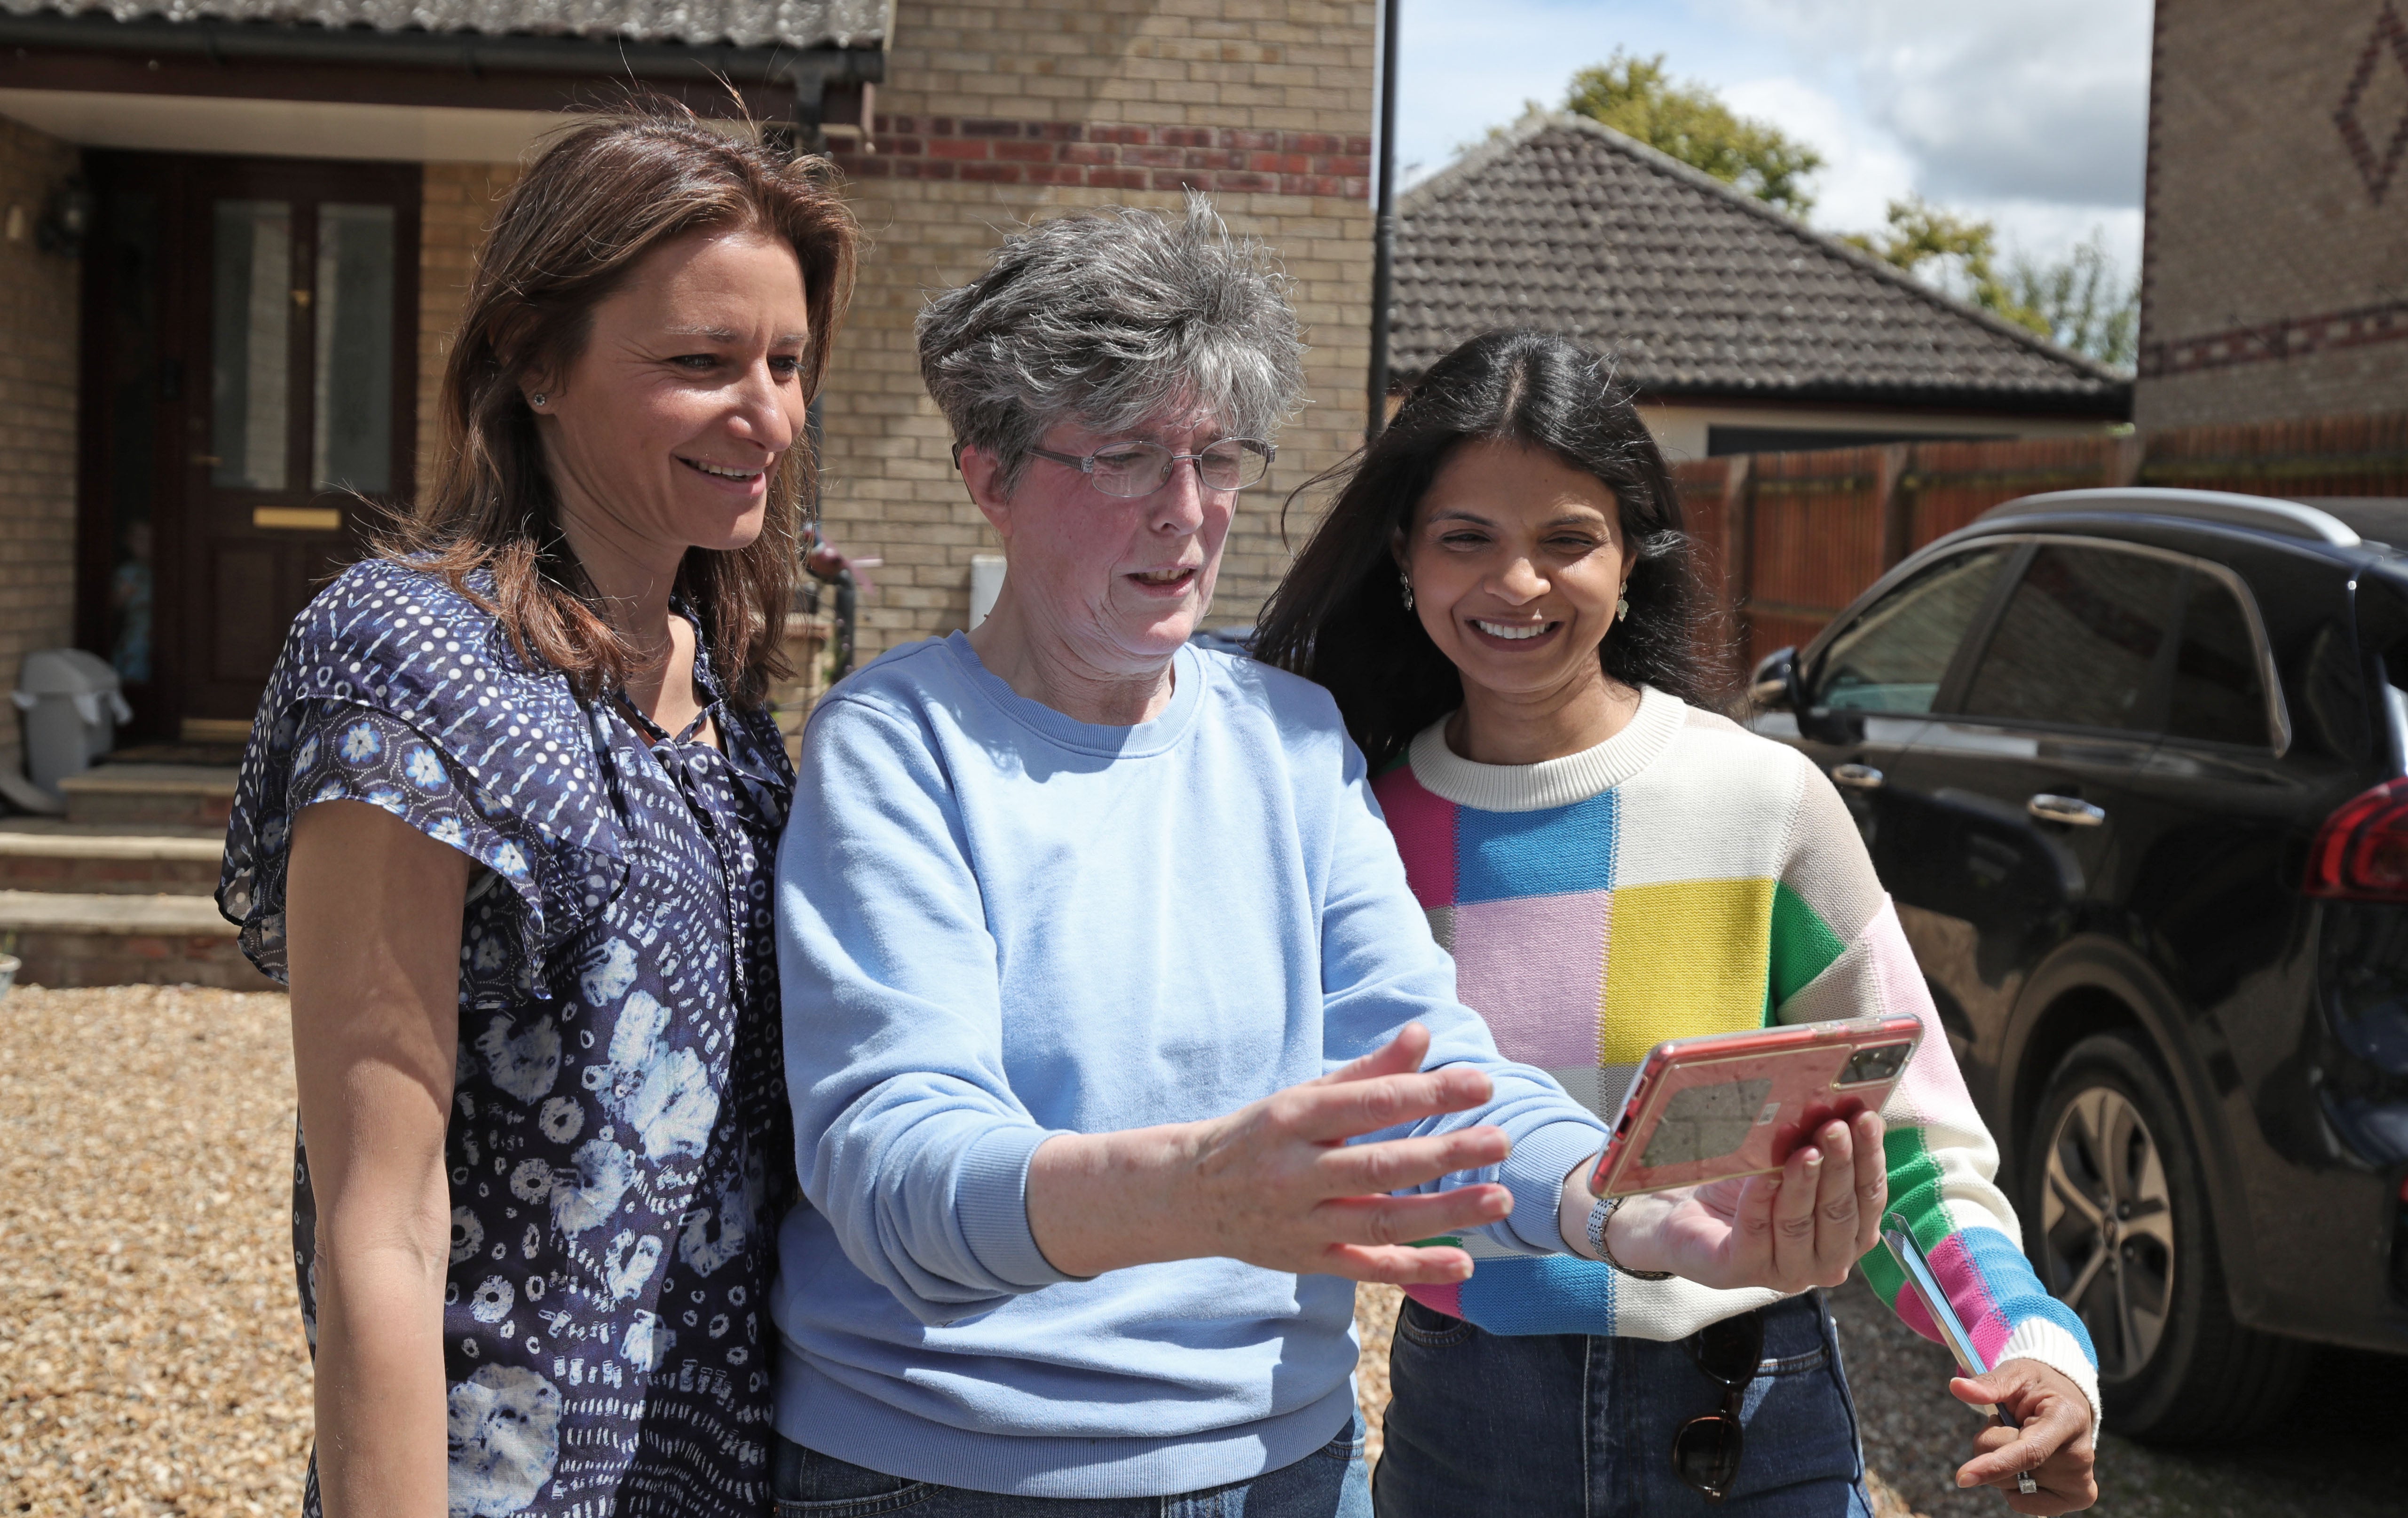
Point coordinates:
[(1276, 1183), (2052, 1445), (1803, 1226)]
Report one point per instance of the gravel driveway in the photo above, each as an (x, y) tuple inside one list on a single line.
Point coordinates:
[(152, 1361)]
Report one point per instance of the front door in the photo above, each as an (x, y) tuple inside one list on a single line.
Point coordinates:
[(250, 395)]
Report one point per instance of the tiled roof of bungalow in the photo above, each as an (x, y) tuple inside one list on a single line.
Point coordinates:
[(1698, 289), (743, 24)]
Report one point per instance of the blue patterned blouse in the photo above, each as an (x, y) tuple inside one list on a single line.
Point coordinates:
[(621, 1147)]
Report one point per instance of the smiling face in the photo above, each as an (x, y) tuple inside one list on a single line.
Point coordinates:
[(666, 430), (1114, 583), (1517, 560)]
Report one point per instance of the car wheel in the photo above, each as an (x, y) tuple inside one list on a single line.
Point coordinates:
[(2115, 1222)]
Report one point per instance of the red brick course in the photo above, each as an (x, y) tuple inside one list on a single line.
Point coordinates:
[(1114, 155)]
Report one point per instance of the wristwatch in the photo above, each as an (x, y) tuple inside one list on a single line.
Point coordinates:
[(1599, 1216)]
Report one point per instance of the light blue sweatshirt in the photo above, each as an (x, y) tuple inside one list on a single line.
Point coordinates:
[(996, 925)]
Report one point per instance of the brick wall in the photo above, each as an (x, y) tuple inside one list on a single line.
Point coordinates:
[(998, 113), (38, 307), (2277, 229), (458, 207)]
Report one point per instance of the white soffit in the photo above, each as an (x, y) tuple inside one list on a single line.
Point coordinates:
[(281, 128)]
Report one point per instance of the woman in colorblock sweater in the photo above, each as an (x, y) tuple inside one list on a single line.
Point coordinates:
[(1501, 602)]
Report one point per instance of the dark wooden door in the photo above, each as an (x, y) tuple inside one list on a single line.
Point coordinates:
[(277, 407)]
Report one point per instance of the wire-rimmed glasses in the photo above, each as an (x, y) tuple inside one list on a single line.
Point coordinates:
[(1129, 469)]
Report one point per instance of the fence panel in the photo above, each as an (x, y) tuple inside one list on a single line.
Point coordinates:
[(1949, 485), (1817, 540), (1704, 489), (2339, 455), (1785, 540)]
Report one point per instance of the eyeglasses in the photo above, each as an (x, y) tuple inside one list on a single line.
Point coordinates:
[(1706, 1452), (1142, 468)]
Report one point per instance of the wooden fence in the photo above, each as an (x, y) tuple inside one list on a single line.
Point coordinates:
[(1786, 540)]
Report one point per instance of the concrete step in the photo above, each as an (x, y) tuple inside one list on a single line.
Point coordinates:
[(44, 853), (178, 796), (81, 938)]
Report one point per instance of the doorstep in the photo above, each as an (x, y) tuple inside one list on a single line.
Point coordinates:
[(49, 854), (87, 938), (179, 796)]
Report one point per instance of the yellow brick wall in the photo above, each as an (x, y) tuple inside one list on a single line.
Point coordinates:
[(38, 307), (1266, 105), (1000, 113), (457, 209), (2277, 237)]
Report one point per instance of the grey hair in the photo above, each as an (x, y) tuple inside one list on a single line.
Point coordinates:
[(1110, 319)]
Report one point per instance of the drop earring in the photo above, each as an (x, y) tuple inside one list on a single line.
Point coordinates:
[(1622, 609), (1407, 581)]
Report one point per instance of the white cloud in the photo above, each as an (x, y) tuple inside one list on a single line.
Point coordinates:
[(2034, 100), (1862, 172), (1469, 67), (2029, 113)]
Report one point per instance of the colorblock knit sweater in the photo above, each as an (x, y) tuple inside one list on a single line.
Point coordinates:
[(1688, 877)]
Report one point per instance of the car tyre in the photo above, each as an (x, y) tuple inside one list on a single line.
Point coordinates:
[(2115, 1222)]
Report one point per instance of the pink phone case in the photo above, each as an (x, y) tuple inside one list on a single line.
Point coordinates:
[(1734, 1104)]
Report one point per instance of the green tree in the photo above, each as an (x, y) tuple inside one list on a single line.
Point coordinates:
[(1948, 252), (2085, 301), (1637, 98), (2079, 302)]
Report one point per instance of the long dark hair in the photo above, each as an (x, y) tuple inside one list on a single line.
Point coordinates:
[(1337, 617), (567, 235)]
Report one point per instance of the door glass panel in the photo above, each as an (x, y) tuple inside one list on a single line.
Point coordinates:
[(1893, 658), (2218, 695), (353, 394), (250, 328), (136, 380), (2079, 640)]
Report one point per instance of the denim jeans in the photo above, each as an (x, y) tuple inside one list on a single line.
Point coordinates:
[(1532, 1427), (1328, 1483)]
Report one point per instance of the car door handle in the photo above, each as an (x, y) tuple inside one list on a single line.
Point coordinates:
[(1856, 776), (2071, 811)]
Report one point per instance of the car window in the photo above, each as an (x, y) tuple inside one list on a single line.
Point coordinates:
[(2218, 693), (2078, 642), (1893, 656)]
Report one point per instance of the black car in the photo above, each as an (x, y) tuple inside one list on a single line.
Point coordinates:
[(2132, 764)]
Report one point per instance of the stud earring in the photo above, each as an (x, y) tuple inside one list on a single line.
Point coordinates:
[(538, 400), (1407, 581), (1622, 609)]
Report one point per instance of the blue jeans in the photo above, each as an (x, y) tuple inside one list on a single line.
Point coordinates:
[(1531, 1426), (1328, 1483)]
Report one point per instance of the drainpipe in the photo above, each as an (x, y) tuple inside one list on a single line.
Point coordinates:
[(1383, 245)]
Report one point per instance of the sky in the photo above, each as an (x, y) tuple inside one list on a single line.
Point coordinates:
[(2031, 114)]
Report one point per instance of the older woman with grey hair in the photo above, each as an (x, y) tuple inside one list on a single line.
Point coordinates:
[(1119, 1047)]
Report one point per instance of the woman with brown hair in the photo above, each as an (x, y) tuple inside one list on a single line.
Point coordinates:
[(506, 828)]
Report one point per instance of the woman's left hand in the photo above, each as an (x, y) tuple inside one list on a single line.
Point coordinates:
[(2052, 1445), (1803, 1227)]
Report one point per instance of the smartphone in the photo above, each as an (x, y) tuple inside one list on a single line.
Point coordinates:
[(1735, 1104), (1911, 1264)]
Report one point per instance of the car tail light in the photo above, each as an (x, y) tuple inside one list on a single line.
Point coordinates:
[(2399, 1247), (2361, 852)]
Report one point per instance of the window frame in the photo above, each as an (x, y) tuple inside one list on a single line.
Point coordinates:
[(2010, 569), (1949, 703)]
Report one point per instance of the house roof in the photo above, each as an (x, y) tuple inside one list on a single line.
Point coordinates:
[(1701, 290), (744, 23)]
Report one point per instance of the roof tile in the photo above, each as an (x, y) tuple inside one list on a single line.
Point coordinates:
[(1568, 226), (745, 23)]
